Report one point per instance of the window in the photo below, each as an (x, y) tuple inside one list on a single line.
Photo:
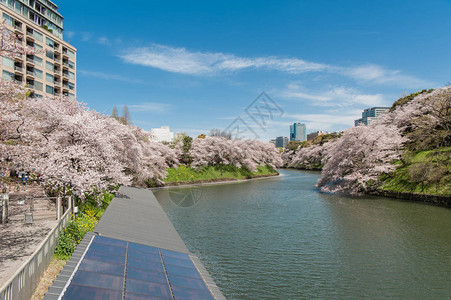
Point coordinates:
[(70, 53), (19, 7), (49, 89), (38, 73), (71, 85), (37, 35), (49, 77), (49, 42), (38, 86), (49, 66), (8, 62), (71, 96), (7, 75), (50, 54), (8, 19), (71, 64), (38, 61), (38, 47), (71, 75)]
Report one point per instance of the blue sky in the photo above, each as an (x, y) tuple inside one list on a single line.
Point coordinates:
[(196, 65)]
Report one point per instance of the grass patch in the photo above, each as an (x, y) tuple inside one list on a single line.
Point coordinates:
[(54, 268), (184, 173), (423, 172)]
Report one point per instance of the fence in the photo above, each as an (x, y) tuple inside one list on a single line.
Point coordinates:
[(26, 279)]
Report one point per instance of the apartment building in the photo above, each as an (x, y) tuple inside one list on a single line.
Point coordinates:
[(371, 114), (51, 72)]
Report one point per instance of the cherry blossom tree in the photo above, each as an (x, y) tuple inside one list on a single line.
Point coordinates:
[(215, 150), (354, 162), (359, 157)]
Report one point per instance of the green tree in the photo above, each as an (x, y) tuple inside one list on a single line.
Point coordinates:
[(186, 141)]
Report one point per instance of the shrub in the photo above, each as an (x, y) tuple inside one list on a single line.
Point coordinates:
[(74, 232)]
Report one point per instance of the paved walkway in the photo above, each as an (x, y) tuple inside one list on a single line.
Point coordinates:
[(17, 240), (135, 215)]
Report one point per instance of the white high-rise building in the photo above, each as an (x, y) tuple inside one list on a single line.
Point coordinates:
[(162, 134), (298, 132)]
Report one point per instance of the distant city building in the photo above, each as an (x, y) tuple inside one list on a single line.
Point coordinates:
[(298, 132), (162, 134), (313, 135), (371, 114), (281, 141), (273, 142)]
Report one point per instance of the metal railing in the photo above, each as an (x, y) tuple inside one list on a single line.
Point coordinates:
[(23, 283)]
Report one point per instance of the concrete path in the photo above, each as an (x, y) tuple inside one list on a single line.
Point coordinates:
[(135, 215)]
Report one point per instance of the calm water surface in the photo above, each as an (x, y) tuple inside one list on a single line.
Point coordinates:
[(280, 238)]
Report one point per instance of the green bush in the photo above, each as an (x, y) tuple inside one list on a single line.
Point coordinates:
[(74, 232)]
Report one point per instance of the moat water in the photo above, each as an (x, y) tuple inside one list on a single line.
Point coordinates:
[(280, 238)]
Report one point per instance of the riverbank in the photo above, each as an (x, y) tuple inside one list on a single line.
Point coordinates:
[(184, 175), (219, 180), (441, 200), (402, 194)]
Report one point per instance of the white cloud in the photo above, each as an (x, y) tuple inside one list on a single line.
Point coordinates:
[(180, 60), (338, 96), (380, 75), (104, 41), (107, 76), (183, 61), (149, 107)]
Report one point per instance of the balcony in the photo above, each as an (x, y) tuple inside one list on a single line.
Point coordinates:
[(66, 75), (30, 73), (18, 27), (17, 68), (30, 60)]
